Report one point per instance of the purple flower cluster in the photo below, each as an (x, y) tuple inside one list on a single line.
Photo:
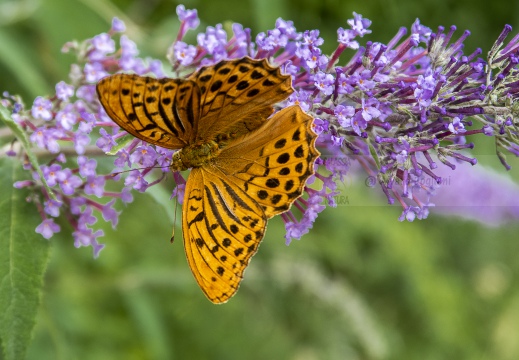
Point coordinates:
[(404, 106), (400, 110), (65, 124)]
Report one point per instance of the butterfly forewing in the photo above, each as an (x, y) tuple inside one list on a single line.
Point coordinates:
[(163, 112), (237, 96), (222, 228)]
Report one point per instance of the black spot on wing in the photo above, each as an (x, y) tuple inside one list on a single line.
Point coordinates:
[(275, 199), (283, 158), (253, 93), (242, 85), (280, 143), (216, 86), (256, 75), (199, 217), (299, 152), (297, 135), (272, 183), (224, 71), (262, 194), (284, 171)]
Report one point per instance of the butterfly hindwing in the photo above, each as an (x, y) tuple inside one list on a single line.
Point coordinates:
[(222, 228), (162, 112), (273, 163)]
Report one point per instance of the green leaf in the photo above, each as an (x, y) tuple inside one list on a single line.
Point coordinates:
[(121, 144), (374, 154), (23, 260), (5, 115)]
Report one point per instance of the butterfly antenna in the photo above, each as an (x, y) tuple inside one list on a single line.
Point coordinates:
[(143, 168)]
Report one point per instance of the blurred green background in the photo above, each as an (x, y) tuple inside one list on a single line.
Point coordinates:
[(361, 285)]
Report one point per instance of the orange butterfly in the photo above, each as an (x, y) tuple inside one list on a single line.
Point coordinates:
[(246, 167)]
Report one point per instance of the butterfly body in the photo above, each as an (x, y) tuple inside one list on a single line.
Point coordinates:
[(246, 165), (196, 155)]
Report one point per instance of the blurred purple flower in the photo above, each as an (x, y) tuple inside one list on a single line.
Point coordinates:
[(184, 53), (118, 25), (48, 228), (190, 17), (64, 91), (42, 109)]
